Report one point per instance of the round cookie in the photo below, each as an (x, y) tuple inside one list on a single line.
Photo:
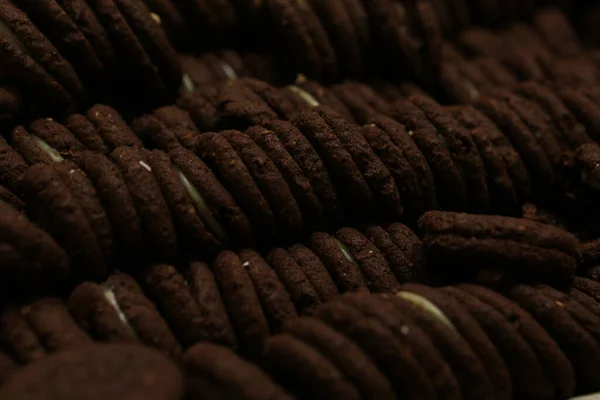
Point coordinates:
[(214, 204), (363, 102), (374, 267), (149, 202), (462, 149), (300, 186), (304, 371), (315, 271), (551, 357), (374, 172), (300, 288), (276, 301), (528, 378), (390, 354), (276, 99), (217, 152), (180, 123), (270, 183), (587, 301), (399, 264), (301, 150), (314, 94), (118, 311), (578, 345), (33, 149), (18, 337), (86, 133), (344, 354), (111, 127), (11, 199), (409, 243), (468, 327), (154, 133), (98, 371), (189, 319), (584, 109), (345, 173), (118, 204), (242, 302), (57, 136), (45, 264), (201, 110), (239, 107), (587, 286), (233, 376), (433, 146), (192, 230), (57, 209), (339, 263)]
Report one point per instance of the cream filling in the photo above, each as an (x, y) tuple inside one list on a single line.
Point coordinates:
[(471, 89), (109, 295), (304, 95), (46, 148), (4, 28), (229, 71), (156, 18), (346, 252), (428, 306), (187, 83), (202, 208), (146, 166)]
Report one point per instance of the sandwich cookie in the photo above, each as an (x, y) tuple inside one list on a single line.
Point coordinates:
[(86, 133), (118, 311), (315, 271)]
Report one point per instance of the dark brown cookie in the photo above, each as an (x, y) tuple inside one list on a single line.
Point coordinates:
[(118, 311), (154, 133), (315, 271), (111, 127), (319, 95), (345, 174), (214, 204), (276, 301), (233, 376), (57, 209), (399, 264), (11, 199), (33, 148), (373, 265), (98, 371), (86, 133), (361, 100), (304, 371), (242, 302), (217, 152), (149, 201), (339, 262), (57, 136), (373, 170), (584, 109), (301, 150), (18, 337), (239, 107), (587, 286), (344, 354), (409, 243), (300, 288), (270, 183), (180, 123)]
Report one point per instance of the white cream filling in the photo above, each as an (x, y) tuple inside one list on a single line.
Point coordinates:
[(473, 92), (4, 28), (146, 166), (52, 153), (156, 18), (428, 306), (202, 208), (304, 95), (229, 71), (188, 84), (109, 295), (346, 252)]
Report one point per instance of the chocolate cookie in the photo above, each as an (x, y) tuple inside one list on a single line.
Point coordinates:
[(154, 133), (86, 133), (314, 94), (374, 172), (55, 207), (111, 127), (578, 345), (304, 371), (584, 109), (270, 183), (149, 201), (276, 99), (242, 302), (180, 124), (346, 175), (587, 286), (315, 271), (214, 204), (344, 354), (340, 264), (217, 152), (301, 150), (499, 243), (98, 371), (277, 302), (239, 107), (391, 355), (18, 337), (468, 327), (399, 264), (44, 264), (528, 378), (33, 148), (11, 199), (361, 100), (118, 311), (409, 243), (186, 218), (57, 136), (233, 376), (374, 267), (435, 149)]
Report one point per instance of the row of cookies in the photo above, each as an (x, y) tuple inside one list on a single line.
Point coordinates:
[(456, 342)]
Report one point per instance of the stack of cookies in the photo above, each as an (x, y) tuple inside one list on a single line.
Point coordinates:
[(288, 199)]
